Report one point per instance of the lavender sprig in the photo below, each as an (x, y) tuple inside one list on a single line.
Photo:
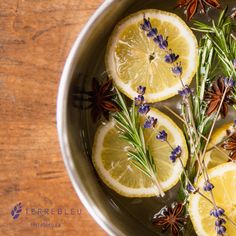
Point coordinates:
[(162, 42), (153, 33), (223, 41)]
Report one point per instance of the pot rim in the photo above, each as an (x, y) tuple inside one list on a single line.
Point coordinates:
[(62, 129)]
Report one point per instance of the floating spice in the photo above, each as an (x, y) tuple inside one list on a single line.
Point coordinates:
[(171, 218), (101, 99), (192, 6), (230, 145), (215, 94)]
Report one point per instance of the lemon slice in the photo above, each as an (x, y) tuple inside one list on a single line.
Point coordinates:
[(223, 177), (119, 173), (215, 156), (133, 59)]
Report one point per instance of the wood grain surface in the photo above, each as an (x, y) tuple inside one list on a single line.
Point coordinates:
[(35, 39)]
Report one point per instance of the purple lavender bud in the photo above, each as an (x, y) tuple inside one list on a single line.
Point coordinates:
[(146, 26), (234, 63), (171, 58), (162, 136), (190, 188), (152, 33), (235, 122), (219, 221), (220, 211), (177, 151), (177, 70), (229, 82), (185, 92), (214, 213), (173, 158), (144, 109), (208, 186), (163, 44), (139, 100), (217, 212), (220, 230), (141, 90), (158, 39), (181, 93), (150, 122)]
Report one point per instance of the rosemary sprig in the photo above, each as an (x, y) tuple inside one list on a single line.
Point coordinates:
[(205, 74), (221, 35), (128, 123), (198, 107)]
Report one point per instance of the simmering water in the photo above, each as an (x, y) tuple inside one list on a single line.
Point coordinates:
[(142, 209)]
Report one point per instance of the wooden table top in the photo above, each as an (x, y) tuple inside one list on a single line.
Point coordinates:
[(35, 39)]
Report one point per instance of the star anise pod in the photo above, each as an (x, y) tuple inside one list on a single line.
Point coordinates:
[(101, 99), (171, 217), (230, 145), (192, 6), (214, 96)]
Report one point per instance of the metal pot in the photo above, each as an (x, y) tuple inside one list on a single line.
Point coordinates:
[(115, 214)]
